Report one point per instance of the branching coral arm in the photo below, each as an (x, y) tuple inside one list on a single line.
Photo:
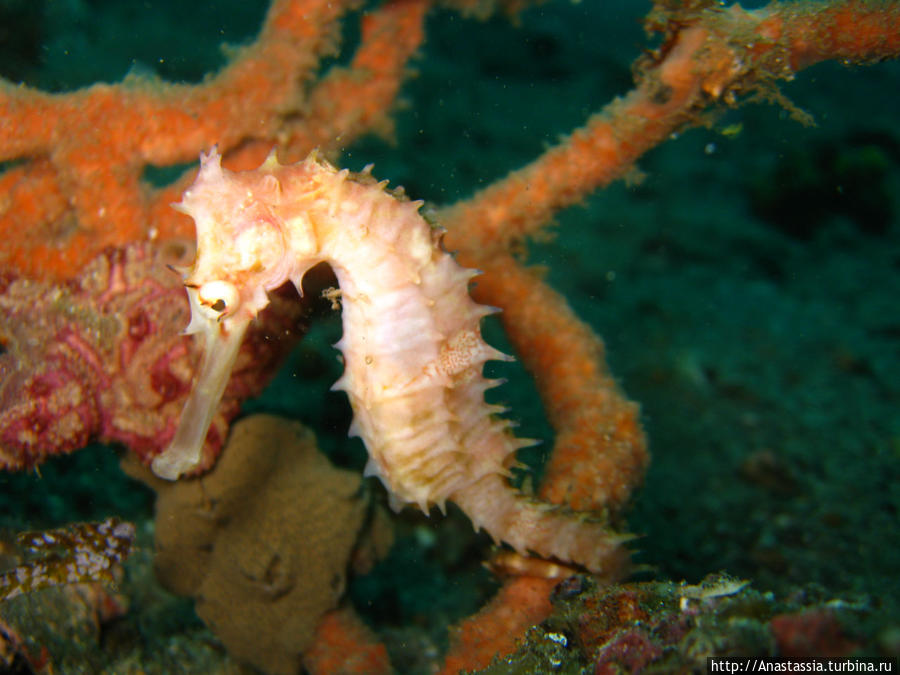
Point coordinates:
[(91, 146), (352, 100), (708, 56), (600, 452), (346, 103)]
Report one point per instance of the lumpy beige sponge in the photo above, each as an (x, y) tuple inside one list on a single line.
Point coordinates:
[(264, 541)]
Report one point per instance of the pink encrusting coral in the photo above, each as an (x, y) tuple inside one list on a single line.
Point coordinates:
[(109, 364), (411, 346)]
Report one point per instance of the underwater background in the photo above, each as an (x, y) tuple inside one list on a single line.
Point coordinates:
[(746, 285)]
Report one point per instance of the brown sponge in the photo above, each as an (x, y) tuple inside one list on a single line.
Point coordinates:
[(263, 541)]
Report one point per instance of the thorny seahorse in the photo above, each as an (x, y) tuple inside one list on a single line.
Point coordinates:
[(411, 343)]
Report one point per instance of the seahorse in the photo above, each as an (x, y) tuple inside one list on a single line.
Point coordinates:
[(411, 344)]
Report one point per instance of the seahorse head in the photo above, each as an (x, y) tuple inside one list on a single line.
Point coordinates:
[(243, 251), (242, 245), (255, 231)]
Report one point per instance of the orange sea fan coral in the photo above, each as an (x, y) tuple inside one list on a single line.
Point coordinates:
[(74, 187), (77, 186)]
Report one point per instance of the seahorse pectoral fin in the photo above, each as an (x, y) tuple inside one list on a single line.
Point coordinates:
[(221, 344)]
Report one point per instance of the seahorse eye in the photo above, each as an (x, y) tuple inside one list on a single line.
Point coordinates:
[(219, 296)]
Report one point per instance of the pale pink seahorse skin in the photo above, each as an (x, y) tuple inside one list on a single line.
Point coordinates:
[(411, 342)]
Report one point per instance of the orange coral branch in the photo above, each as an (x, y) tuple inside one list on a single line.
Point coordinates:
[(711, 56), (520, 604), (389, 39), (344, 644), (600, 452), (87, 150), (855, 31), (527, 199)]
